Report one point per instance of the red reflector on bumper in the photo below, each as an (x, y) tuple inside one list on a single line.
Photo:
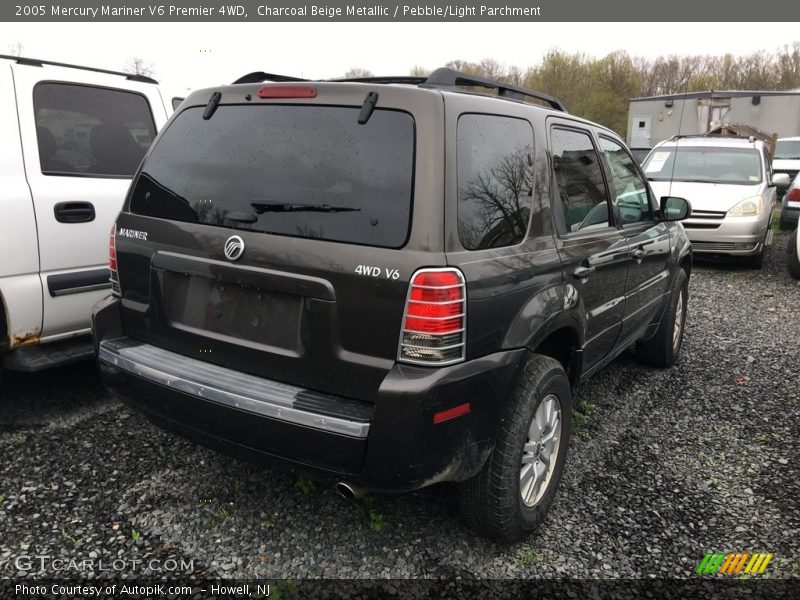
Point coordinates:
[(451, 413)]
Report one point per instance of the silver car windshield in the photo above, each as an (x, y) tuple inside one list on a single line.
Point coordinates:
[(705, 164)]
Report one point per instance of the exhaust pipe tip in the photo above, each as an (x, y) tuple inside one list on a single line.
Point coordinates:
[(347, 492)]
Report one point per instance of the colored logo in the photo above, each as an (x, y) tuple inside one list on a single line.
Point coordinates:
[(734, 563)]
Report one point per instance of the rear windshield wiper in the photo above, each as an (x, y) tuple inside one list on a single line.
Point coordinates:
[(263, 207)]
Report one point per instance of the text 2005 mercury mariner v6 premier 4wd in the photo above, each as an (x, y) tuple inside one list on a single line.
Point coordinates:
[(388, 283)]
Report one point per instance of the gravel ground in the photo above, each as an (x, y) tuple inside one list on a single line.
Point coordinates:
[(664, 467)]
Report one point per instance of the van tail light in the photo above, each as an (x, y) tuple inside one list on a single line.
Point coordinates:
[(112, 261), (793, 195), (287, 91), (435, 318)]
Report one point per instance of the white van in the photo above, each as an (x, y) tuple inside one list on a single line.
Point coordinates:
[(71, 138)]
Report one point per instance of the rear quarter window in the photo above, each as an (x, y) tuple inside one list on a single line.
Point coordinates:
[(306, 171), (495, 180)]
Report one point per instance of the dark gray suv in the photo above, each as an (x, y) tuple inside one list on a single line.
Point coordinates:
[(388, 283)]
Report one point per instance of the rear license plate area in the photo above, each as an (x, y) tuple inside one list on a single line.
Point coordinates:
[(232, 312)]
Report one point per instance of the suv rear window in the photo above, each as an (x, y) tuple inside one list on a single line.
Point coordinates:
[(305, 171)]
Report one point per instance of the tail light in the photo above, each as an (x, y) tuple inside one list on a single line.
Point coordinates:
[(112, 261), (435, 318), (793, 195)]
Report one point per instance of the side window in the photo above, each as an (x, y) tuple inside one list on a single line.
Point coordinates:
[(91, 131), (579, 180), (495, 180), (632, 201)]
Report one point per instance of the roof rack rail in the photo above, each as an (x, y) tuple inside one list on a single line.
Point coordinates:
[(443, 78), (450, 79), (409, 79), (38, 62), (259, 76)]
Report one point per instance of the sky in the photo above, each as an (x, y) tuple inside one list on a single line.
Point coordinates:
[(188, 56)]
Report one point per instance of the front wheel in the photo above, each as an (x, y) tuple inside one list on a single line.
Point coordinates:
[(663, 349), (510, 496)]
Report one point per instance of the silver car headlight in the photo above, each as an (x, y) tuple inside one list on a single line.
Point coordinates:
[(749, 207)]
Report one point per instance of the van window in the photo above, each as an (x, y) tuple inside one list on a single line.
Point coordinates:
[(305, 171), (579, 179), (495, 180), (91, 131)]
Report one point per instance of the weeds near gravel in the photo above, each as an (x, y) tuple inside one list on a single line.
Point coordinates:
[(267, 525), (528, 556), (305, 485), (2, 499), (708, 461), (70, 538), (135, 535), (367, 514), (20, 439), (580, 418), (226, 513)]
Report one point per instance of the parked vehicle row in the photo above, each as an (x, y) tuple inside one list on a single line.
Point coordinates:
[(72, 137), (386, 283)]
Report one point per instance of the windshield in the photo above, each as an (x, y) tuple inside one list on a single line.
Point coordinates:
[(305, 171), (704, 164), (787, 149)]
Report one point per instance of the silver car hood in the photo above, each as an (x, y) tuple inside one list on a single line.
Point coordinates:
[(707, 196)]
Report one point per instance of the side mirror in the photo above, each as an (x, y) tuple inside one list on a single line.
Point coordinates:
[(675, 209), (176, 102), (781, 179)]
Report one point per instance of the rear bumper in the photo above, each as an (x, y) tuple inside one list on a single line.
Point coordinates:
[(391, 445)]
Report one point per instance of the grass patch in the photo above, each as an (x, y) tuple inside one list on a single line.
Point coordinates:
[(580, 419), (270, 524), (135, 535), (2, 499), (528, 556), (306, 486), (69, 537), (367, 514)]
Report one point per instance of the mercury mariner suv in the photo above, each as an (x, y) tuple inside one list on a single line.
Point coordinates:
[(388, 283)]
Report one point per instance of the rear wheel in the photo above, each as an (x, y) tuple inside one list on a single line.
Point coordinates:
[(510, 497), (794, 259), (663, 349), (785, 224)]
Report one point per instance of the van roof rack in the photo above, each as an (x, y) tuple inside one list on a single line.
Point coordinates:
[(443, 79), (38, 62)]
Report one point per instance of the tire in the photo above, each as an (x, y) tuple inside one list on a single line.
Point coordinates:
[(492, 502), (794, 260), (663, 349), (784, 224)]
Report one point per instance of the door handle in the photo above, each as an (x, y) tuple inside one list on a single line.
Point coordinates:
[(638, 254), (582, 272), (74, 212)]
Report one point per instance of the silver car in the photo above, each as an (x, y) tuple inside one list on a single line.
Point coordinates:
[(729, 183)]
